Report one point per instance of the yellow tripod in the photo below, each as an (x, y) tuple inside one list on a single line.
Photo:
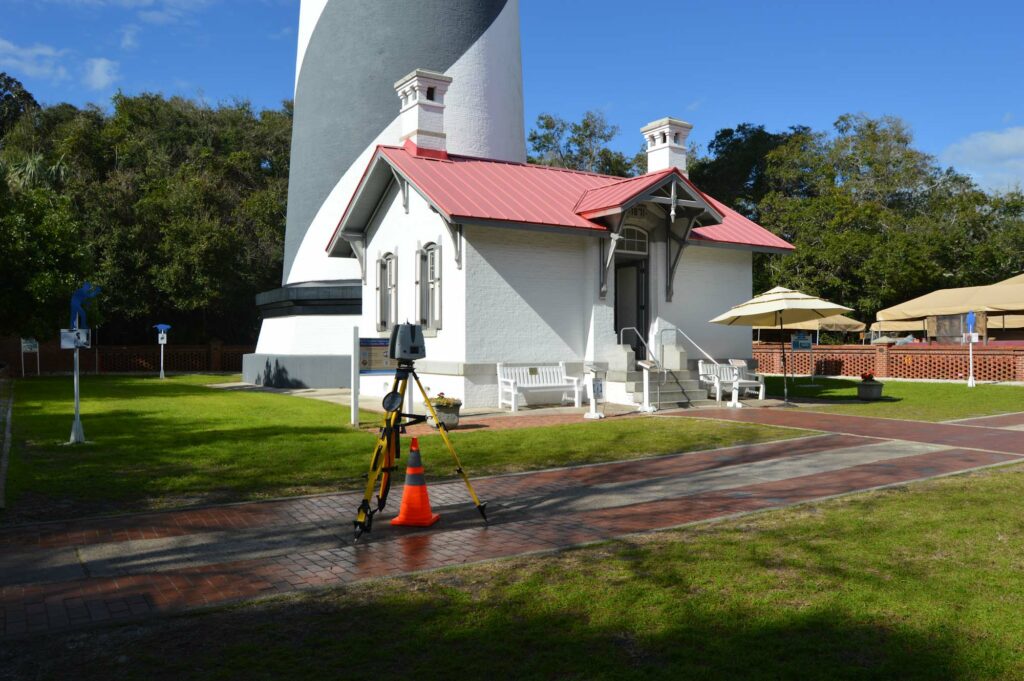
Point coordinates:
[(388, 449)]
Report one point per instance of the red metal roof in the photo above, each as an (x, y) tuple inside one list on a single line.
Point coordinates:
[(465, 189), (736, 229), (618, 192), (483, 189)]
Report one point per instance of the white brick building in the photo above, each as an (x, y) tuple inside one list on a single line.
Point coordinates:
[(509, 262)]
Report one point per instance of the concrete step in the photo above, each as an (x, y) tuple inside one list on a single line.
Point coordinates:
[(638, 376), (688, 385)]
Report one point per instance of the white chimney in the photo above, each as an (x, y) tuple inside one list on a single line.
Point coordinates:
[(666, 144), (422, 115)]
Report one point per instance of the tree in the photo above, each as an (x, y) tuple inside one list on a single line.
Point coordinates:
[(582, 146), (734, 170), (15, 101), (876, 221)]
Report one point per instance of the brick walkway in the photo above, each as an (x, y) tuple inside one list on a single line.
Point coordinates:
[(67, 574)]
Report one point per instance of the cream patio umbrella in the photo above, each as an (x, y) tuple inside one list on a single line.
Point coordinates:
[(836, 322), (779, 307)]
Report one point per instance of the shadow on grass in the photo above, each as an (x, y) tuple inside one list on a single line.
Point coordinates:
[(486, 629), (832, 389)]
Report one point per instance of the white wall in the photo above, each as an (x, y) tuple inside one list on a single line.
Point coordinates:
[(529, 299), (307, 335), (708, 282), (395, 231)]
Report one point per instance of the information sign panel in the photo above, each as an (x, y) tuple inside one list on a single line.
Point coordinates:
[(801, 341), (29, 345), (75, 338), (373, 357)]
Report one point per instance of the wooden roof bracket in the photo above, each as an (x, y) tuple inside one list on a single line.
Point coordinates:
[(455, 232), (359, 249), (403, 184), (672, 258), (606, 255)]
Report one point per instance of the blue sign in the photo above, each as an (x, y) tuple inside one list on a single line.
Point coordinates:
[(970, 322), (162, 328), (801, 341)]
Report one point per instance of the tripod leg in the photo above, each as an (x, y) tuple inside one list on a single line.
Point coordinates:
[(482, 507), (381, 463)]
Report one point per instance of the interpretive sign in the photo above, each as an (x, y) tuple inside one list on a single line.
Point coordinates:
[(29, 345), (801, 340), (373, 357), (72, 339)]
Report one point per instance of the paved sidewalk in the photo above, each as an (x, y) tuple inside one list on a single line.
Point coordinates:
[(79, 572), (960, 434)]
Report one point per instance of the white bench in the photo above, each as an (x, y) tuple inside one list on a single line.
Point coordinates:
[(746, 374), (514, 378), (728, 377)]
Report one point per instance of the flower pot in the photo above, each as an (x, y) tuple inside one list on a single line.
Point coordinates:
[(869, 390), (449, 416)]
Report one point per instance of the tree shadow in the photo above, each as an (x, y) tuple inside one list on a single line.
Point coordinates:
[(495, 626)]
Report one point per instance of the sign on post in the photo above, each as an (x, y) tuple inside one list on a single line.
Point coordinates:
[(373, 357), (161, 339), (73, 339), (971, 340), (801, 340), (28, 346)]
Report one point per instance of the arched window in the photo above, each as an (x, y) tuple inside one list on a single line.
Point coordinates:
[(429, 281), (632, 241), (387, 291)]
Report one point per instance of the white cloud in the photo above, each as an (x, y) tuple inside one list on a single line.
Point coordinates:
[(994, 158), (129, 37), (148, 11), (695, 104), (36, 61), (101, 73)]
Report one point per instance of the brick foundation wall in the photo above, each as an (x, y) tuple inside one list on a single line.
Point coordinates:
[(920, 362)]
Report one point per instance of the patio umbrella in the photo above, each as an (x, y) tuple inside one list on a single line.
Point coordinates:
[(779, 307)]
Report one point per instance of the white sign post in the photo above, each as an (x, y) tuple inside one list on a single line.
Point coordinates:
[(29, 345), (76, 339), (354, 408), (970, 349), (161, 339)]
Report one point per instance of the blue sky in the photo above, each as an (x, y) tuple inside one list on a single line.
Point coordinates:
[(953, 71)]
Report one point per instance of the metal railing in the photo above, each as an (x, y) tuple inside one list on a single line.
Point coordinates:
[(674, 330), (658, 366)]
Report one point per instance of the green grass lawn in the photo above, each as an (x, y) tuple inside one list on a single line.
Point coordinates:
[(906, 400), (919, 582), (154, 443)]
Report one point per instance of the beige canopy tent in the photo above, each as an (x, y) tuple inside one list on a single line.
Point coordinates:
[(915, 325), (996, 298), (834, 323), (1019, 279)]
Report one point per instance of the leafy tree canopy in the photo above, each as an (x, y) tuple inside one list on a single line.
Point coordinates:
[(175, 207), (582, 146)]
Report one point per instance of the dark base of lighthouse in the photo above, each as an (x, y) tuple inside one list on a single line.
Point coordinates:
[(312, 312)]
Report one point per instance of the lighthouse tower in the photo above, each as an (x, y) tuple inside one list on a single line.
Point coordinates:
[(350, 53)]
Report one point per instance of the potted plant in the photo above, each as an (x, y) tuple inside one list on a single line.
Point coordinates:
[(447, 409), (869, 388)]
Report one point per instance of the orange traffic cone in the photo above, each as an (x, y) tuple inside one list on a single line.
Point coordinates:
[(415, 511)]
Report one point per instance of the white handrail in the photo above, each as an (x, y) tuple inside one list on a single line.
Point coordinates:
[(650, 354), (676, 329)]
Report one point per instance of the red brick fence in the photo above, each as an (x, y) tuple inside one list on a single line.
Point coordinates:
[(125, 358), (905, 361)]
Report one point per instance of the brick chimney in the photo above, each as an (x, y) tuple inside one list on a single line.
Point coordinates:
[(666, 144), (422, 115)]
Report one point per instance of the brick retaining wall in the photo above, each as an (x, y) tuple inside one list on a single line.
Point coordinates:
[(905, 361), (125, 358)]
